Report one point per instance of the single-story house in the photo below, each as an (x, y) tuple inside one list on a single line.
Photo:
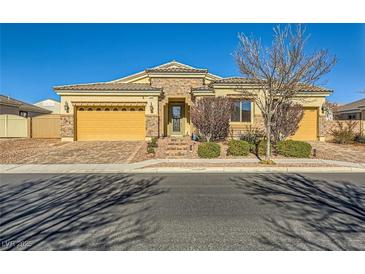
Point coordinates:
[(16, 107), (351, 111), (157, 101), (50, 104)]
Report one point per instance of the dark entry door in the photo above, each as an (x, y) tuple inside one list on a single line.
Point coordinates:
[(176, 117)]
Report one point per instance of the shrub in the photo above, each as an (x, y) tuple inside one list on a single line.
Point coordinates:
[(210, 116), (209, 150), (150, 149), (344, 134), (360, 139), (238, 148), (153, 142), (252, 135), (292, 148)]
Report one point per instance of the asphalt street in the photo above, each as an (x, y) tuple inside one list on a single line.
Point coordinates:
[(182, 211)]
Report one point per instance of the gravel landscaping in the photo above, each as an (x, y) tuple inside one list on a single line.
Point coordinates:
[(354, 153)]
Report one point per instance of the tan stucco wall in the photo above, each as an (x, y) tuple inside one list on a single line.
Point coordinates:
[(109, 98)]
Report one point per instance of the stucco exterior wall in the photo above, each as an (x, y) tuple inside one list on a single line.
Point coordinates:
[(108, 98), (175, 88)]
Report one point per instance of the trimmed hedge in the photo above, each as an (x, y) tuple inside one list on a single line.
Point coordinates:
[(238, 148), (360, 139), (292, 148), (209, 150), (260, 148)]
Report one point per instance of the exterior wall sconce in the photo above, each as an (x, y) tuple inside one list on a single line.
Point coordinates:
[(67, 108), (151, 108)]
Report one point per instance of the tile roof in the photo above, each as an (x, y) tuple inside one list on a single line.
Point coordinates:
[(177, 70), (203, 88), (23, 106), (241, 80), (109, 86), (235, 80), (176, 67), (351, 106)]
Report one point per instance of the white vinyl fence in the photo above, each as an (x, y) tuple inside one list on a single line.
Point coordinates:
[(13, 126)]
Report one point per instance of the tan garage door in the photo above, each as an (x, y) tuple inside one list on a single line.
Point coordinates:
[(308, 126), (110, 123)]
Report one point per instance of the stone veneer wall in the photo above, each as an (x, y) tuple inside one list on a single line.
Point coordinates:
[(151, 126), (174, 87), (67, 126)]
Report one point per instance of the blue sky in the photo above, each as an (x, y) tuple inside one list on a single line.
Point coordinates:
[(35, 57)]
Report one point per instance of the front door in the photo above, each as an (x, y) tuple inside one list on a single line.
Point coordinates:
[(176, 115)]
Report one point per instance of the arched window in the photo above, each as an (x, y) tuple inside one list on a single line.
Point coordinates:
[(98, 109), (89, 109), (124, 109), (140, 109), (132, 109), (106, 109), (81, 109), (115, 109)]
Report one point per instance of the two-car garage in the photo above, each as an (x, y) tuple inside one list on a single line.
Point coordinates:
[(110, 123)]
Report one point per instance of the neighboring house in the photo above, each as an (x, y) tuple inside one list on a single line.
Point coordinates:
[(12, 106), (351, 111), (49, 104), (156, 102)]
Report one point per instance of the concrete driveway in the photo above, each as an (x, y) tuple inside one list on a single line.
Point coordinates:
[(53, 151), (183, 212)]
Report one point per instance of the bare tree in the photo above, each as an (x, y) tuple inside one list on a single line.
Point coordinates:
[(281, 71), (286, 120), (210, 115)]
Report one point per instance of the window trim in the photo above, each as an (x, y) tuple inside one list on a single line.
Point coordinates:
[(251, 113)]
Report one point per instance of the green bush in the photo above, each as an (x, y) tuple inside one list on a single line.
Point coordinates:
[(209, 150), (238, 148), (292, 148), (259, 148), (153, 142), (150, 149), (360, 139)]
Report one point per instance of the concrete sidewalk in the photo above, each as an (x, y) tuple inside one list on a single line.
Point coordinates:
[(143, 167)]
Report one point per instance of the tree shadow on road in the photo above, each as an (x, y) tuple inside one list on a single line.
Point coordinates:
[(316, 214), (77, 212)]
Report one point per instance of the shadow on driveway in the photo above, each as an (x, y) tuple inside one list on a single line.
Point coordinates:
[(316, 214), (77, 212)]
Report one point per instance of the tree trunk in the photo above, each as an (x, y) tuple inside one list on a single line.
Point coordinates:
[(268, 138)]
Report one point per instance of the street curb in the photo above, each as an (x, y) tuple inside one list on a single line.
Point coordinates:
[(68, 169), (252, 170)]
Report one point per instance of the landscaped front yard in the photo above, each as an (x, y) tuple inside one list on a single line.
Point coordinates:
[(53, 151)]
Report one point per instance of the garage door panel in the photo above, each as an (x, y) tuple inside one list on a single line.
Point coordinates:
[(308, 126), (110, 125)]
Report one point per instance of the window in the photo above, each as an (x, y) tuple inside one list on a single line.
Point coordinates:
[(124, 109), (98, 109), (81, 109), (23, 114), (352, 116), (106, 109), (89, 109), (132, 109), (241, 111), (140, 109), (115, 109)]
